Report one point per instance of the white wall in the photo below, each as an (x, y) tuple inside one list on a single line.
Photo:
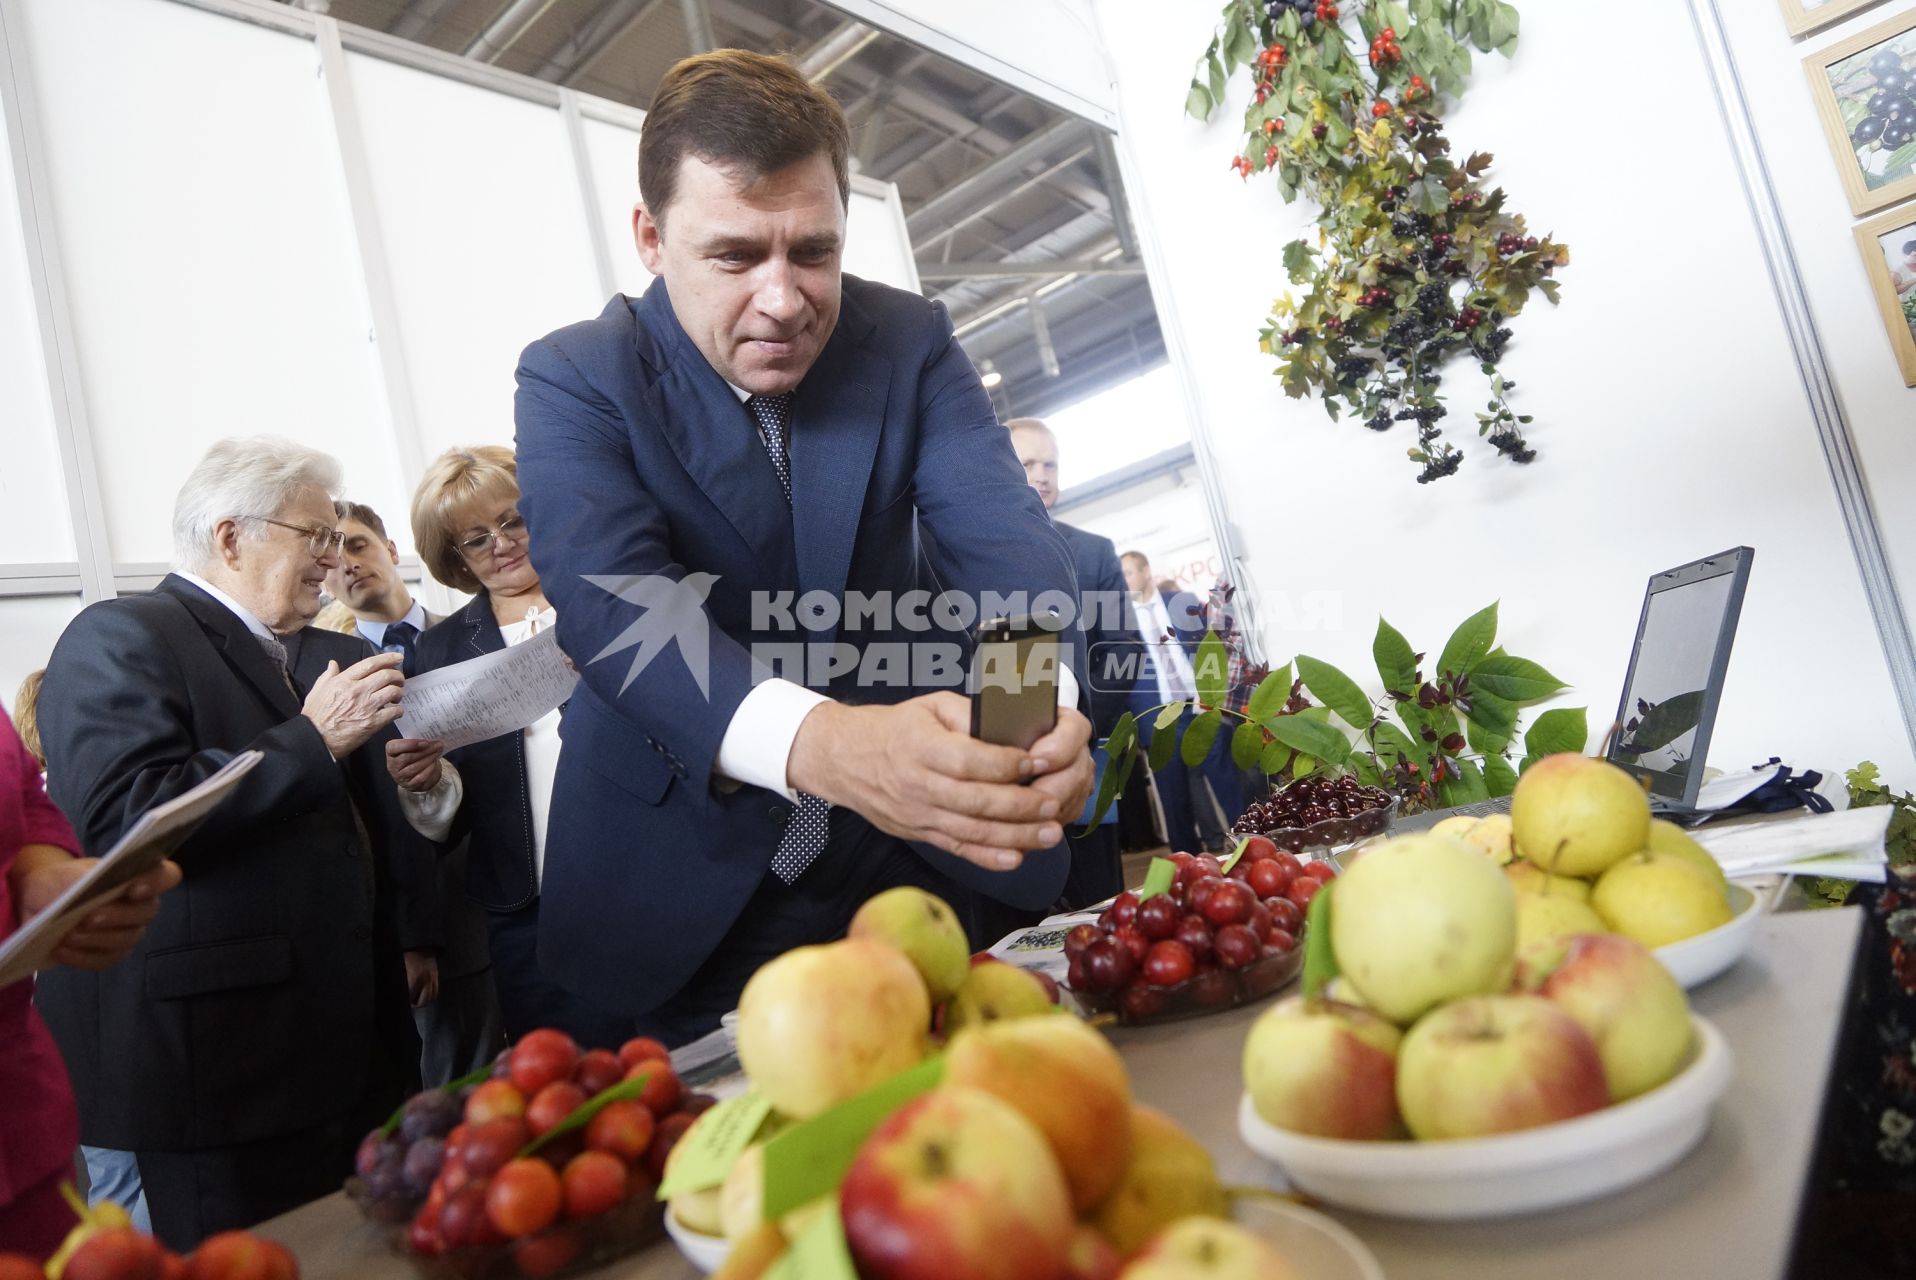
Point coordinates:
[(1669, 420)]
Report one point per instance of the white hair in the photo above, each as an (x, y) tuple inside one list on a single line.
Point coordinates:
[(255, 477)]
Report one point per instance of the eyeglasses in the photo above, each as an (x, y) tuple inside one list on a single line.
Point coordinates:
[(319, 542), (512, 528)]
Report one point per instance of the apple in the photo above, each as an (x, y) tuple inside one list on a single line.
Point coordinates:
[(1319, 1067), (1546, 919), (821, 1024), (1492, 834), (1454, 826), (1494, 1064), (925, 928), (1630, 1005), (1170, 1176), (1527, 878), (1088, 1256), (993, 993), (1108, 965), (1574, 816), (1420, 920), (1659, 898), (1668, 837), (1207, 1249), (956, 1183), (753, 1254), (702, 1210), (1065, 1078), (742, 1194)]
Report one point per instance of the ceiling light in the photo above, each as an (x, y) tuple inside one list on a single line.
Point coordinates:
[(991, 377)]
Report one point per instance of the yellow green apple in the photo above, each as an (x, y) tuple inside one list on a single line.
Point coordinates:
[(752, 1256), (1574, 816), (1316, 1066), (1528, 878), (1207, 1249), (1547, 919), (925, 928), (993, 991), (1668, 837), (1065, 1078), (822, 1024), (1089, 1256), (1494, 1064), (1658, 898), (1170, 1176), (1420, 920), (956, 1183), (1454, 826), (1492, 835), (1630, 1005), (698, 1210)]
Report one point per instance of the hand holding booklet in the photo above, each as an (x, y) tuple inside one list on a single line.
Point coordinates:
[(146, 844)]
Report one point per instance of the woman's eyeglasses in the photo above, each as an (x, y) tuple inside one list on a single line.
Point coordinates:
[(512, 528), (319, 542)]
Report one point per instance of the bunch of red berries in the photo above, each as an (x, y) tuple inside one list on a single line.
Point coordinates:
[(1510, 243), (1270, 60), (1241, 166), (1376, 295), (1384, 50), (1380, 108), (1417, 91), (1468, 318), (1326, 11), (1273, 126)]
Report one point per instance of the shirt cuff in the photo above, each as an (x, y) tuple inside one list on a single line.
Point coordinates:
[(757, 745), (431, 812), (1068, 691)]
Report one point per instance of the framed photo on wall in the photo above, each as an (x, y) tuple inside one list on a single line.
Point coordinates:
[(1865, 93), (1808, 15), (1888, 244)]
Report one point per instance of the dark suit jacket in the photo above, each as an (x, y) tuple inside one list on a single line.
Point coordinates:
[(495, 817), (252, 1005), (1186, 613), (635, 458), (1115, 649)]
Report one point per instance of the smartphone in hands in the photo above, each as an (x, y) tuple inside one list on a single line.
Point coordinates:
[(1014, 681)]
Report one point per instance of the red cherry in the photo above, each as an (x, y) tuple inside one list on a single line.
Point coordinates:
[(1168, 963), (1304, 889)]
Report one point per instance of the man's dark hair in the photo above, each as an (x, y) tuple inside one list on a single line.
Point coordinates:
[(734, 108), (362, 514)]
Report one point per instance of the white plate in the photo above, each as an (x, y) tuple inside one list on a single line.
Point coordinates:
[(1694, 961), (1316, 1247), (1546, 1168), (707, 1253)]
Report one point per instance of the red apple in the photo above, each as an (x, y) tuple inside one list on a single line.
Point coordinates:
[(956, 1183), (1303, 889), (1324, 1068), (1079, 937), (540, 1058), (1141, 1004), (1493, 1064), (1200, 893), (463, 1223), (18, 1266), (1213, 988), (1278, 940), (1134, 941), (1630, 1005), (547, 1253), (664, 1138), (1269, 878), (1195, 934), (663, 1091), (1123, 909)]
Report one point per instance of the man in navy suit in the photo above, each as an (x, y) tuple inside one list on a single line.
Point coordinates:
[(715, 472), (1171, 627), (1097, 871)]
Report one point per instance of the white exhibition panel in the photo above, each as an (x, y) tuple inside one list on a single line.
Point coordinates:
[(1669, 419), (485, 239), (29, 625), (35, 527), (211, 273), (612, 150), (876, 246)]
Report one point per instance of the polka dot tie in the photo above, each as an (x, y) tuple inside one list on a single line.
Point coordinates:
[(810, 823)]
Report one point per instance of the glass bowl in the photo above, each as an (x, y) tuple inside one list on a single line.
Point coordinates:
[(1330, 833), (568, 1247), (1141, 1004)]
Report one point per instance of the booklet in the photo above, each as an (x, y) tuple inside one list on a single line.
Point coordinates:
[(1846, 844), (483, 697), (146, 844)]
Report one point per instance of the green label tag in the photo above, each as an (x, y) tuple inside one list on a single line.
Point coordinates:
[(1236, 853), (712, 1147), (819, 1253), (1158, 878), (809, 1160)]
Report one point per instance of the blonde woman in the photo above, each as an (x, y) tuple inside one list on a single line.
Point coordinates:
[(470, 536)]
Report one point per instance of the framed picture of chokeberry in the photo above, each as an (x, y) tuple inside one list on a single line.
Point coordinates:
[(1865, 92), (1808, 15), (1888, 245)]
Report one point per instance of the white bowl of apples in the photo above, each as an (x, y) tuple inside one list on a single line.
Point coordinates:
[(1548, 1167), (1695, 960)]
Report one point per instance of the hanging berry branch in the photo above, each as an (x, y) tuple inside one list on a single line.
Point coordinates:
[(1415, 262)]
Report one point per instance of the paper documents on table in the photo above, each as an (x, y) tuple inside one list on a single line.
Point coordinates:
[(1846, 845), (487, 696), (147, 843)]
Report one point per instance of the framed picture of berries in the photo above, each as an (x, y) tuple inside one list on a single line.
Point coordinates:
[(1807, 15), (1888, 245), (1865, 92)]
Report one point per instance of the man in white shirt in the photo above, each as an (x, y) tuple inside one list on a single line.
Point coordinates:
[(454, 1004), (1170, 628)]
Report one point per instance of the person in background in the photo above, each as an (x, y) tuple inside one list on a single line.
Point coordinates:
[(759, 426), (1097, 871), (494, 796), (39, 858), (26, 715), (261, 1025), (1222, 615), (1171, 635), (337, 615), (455, 1007)]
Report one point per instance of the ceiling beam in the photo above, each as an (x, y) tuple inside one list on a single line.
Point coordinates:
[(504, 30), (413, 21), (987, 270), (569, 63), (698, 26), (986, 185), (836, 49)]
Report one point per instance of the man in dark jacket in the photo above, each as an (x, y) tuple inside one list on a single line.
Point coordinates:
[(261, 1025)]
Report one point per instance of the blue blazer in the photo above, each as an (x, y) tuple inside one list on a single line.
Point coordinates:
[(1116, 652), (636, 458)]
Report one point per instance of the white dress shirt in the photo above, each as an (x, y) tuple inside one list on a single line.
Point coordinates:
[(1176, 678), (253, 624)]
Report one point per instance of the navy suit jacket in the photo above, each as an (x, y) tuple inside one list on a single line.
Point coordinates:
[(636, 458), (1115, 651)]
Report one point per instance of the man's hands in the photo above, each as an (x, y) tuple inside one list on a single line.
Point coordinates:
[(422, 978), (350, 706), (105, 935), (414, 763), (914, 770)]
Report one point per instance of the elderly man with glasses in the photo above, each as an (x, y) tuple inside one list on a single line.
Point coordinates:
[(262, 1024)]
